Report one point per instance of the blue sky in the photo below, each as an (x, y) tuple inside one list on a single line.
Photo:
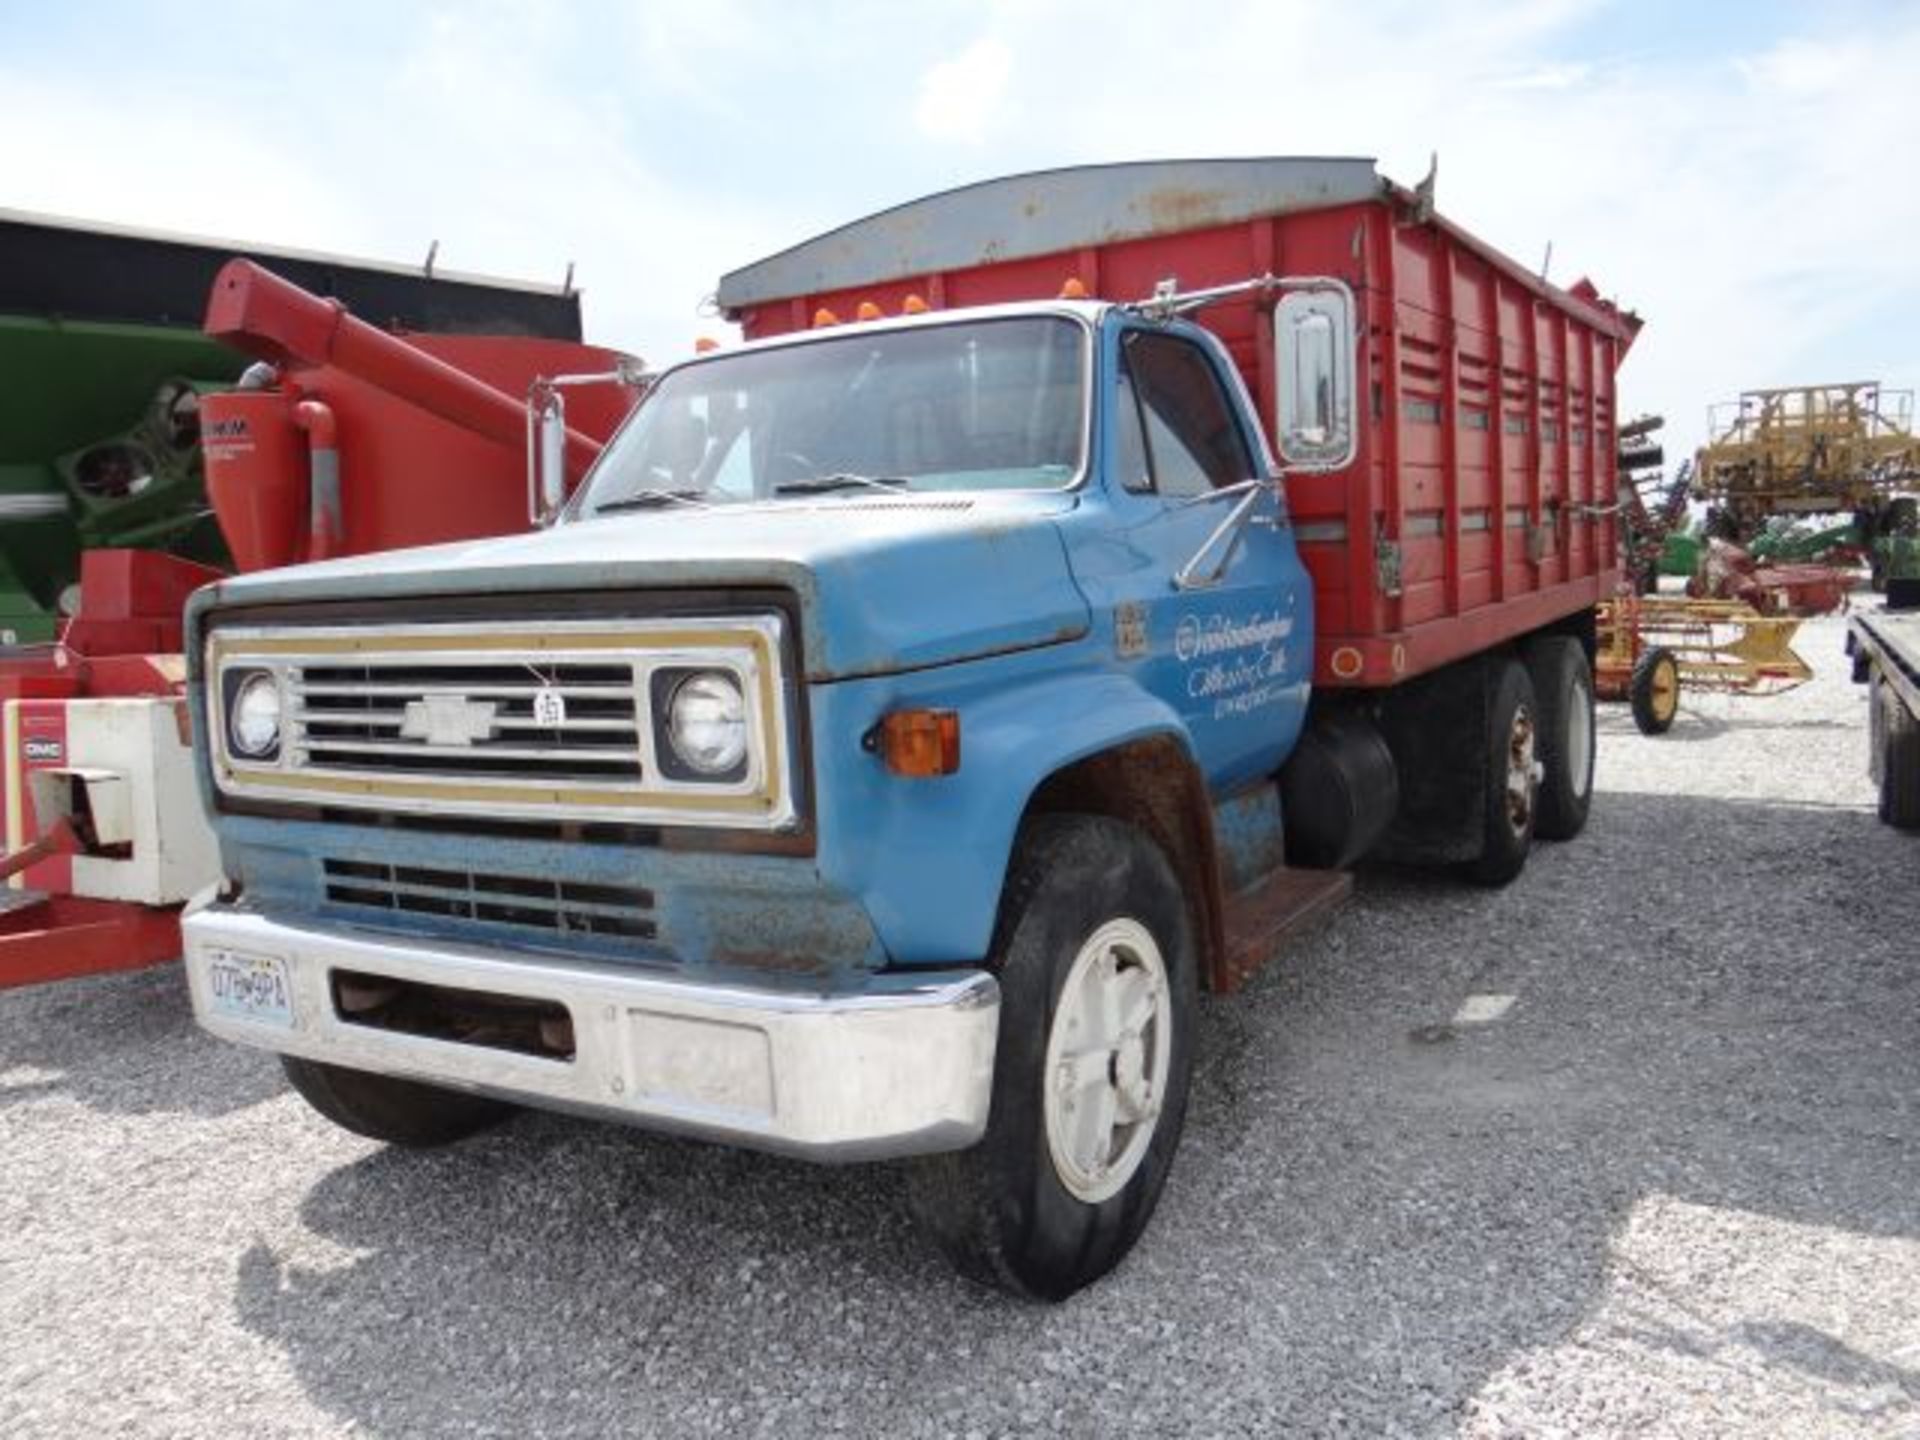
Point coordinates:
[(1740, 174)]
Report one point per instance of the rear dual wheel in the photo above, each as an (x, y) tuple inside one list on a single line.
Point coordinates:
[(1563, 692), (1514, 771)]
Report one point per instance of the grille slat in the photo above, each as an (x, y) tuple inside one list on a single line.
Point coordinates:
[(396, 718), (328, 745), (557, 907), (454, 687)]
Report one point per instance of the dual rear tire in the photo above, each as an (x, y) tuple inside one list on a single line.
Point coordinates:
[(1540, 753), (1511, 791), (1563, 688)]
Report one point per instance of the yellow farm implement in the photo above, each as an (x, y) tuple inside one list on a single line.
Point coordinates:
[(1650, 647), (1806, 450)]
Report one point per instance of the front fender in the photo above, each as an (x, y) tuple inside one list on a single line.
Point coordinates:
[(927, 857)]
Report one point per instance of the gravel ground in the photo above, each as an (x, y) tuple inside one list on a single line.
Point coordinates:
[(1631, 1146)]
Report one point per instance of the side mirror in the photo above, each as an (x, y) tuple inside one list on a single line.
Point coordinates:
[(547, 432), (551, 485), (1314, 410), (546, 452)]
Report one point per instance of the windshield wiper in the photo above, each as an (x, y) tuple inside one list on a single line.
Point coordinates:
[(841, 480), (654, 500)]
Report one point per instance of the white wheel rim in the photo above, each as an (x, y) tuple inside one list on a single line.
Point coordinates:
[(1107, 1060), (1522, 772), (1580, 739)]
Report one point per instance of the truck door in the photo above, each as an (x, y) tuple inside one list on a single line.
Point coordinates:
[(1222, 632)]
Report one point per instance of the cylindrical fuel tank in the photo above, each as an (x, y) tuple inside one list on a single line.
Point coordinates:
[(1339, 791)]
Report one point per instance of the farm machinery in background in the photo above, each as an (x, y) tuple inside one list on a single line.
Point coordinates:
[(1658, 539), (1651, 646), (1776, 456), (1786, 568), (172, 413), (1652, 510), (1732, 632)]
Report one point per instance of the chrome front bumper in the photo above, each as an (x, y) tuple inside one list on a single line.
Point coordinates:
[(840, 1075)]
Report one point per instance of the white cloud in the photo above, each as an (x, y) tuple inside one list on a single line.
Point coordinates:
[(1546, 77), (960, 98), (1804, 67)]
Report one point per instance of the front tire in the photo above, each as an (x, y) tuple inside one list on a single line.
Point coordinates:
[(1095, 956), (381, 1107), (1563, 688)]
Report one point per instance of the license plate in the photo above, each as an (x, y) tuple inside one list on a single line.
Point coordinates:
[(250, 987)]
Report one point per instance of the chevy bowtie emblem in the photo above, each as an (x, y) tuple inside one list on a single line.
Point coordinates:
[(448, 720)]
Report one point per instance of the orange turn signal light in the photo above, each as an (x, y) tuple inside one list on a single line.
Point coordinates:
[(705, 345), (868, 311), (824, 316), (913, 305), (1074, 289), (920, 744)]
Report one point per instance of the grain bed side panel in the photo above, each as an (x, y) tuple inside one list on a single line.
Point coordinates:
[(1478, 505)]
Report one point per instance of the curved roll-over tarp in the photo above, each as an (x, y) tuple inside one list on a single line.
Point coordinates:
[(1045, 212)]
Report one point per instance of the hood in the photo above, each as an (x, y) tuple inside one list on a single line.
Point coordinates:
[(885, 584)]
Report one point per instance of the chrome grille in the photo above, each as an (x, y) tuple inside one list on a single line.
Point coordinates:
[(367, 717), (505, 720), (559, 907)]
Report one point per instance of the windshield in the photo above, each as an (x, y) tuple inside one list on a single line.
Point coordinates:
[(975, 405)]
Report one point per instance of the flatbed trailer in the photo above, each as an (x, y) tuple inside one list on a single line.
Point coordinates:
[(1885, 645)]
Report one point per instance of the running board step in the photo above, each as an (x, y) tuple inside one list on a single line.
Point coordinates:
[(1265, 915)]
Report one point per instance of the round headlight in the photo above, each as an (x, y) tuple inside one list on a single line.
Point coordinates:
[(707, 722), (254, 722)]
